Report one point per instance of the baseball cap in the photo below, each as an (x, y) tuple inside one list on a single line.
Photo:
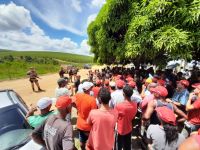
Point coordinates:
[(120, 83), (62, 80), (161, 90), (184, 82), (44, 103), (112, 84), (196, 85), (161, 82), (87, 85), (166, 115), (132, 84), (62, 91), (98, 82), (63, 102)]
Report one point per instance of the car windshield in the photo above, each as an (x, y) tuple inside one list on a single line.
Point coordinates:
[(14, 138), (14, 130)]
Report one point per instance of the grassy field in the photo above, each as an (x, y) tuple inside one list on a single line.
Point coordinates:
[(44, 62), (56, 55)]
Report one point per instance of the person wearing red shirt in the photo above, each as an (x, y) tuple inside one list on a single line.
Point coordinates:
[(103, 122), (96, 88), (126, 113), (84, 104), (193, 108)]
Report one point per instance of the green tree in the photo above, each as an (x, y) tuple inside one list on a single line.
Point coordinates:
[(9, 58), (28, 59), (146, 31)]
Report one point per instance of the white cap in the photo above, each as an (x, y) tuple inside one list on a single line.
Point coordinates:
[(80, 88), (112, 84), (44, 103), (87, 85), (62, 92)]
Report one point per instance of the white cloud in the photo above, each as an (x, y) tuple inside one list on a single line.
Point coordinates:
[(19, 32), (91, 18), (60, 15), (84, 47), (98, 3), (76, 4), (17, 18)]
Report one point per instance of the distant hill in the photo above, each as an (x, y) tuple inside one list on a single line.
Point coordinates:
[(15, 64), (45, 54)]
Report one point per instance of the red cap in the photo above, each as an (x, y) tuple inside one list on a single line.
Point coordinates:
[(120, 83), (184, 82), (196, 85), (132, 84), (106, 82), (129, 79), (63, 102), (98, 82), (161, 82), (166, 115), (161, 90)]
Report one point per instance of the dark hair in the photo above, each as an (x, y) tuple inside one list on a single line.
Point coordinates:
[(171, 133), (113, 87), (104, 95), (128, 91)]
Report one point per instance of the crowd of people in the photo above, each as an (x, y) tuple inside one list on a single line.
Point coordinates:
[(167, 105)]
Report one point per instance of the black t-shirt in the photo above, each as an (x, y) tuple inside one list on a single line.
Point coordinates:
[(61, 73), (70, 72), (76, 84)]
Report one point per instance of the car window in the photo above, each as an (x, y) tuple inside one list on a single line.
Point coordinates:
[(11, 118), (5, 100), (18, 100)]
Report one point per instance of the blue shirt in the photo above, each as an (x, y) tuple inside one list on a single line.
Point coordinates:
[(181, 97)]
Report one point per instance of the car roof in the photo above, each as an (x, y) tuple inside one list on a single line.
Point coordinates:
[(5, 98), (9, 97)]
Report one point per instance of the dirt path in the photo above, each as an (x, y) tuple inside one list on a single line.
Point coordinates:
[(47, 82)]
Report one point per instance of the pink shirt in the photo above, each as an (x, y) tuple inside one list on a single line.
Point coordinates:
[(126, 113), (145, 102), (102, 133)]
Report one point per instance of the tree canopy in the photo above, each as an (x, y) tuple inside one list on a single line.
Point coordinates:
[(146, 31)]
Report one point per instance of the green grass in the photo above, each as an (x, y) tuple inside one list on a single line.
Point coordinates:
[(56, 55), (18, 68)]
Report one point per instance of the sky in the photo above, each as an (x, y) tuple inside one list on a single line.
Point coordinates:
[(47, 25)]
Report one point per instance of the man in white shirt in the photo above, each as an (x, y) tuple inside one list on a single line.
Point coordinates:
[(117, 96), (62, 88)]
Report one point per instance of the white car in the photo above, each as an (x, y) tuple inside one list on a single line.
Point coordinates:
[(14, 130)]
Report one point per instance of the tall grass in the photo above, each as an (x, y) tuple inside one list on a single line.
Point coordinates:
[(13, 70)]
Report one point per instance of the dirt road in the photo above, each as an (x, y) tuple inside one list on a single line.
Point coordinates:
[(47, 82)]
